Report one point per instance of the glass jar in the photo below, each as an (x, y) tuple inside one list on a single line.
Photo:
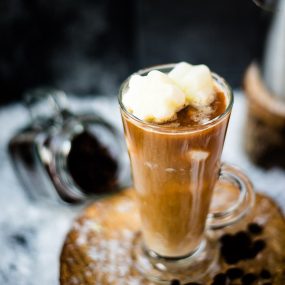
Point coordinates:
[(66, 157)]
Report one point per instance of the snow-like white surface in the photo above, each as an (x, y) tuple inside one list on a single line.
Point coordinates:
[(31, 235)]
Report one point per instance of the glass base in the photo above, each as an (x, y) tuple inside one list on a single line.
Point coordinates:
[(191, 268)]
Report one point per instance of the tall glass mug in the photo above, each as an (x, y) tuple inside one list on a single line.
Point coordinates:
[(175, 171)]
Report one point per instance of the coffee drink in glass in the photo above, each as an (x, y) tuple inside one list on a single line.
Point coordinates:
[(175, 167)]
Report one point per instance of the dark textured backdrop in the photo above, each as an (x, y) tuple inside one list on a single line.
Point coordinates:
[(90, 46)]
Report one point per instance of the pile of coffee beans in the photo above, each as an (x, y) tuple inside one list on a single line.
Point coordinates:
[(236, 275), (241, 246)]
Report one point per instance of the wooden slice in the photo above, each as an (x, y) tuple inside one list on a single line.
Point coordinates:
[(98, 248), (265, 127)]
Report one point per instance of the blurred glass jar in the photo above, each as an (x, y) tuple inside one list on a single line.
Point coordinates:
[(66, 157)]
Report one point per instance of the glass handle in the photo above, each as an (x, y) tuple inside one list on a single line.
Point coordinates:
[(232, 175)]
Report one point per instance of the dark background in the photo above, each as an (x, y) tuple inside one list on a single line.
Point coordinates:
[(90, 46)]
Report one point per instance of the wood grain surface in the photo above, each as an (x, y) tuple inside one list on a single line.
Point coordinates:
[(98, 248)]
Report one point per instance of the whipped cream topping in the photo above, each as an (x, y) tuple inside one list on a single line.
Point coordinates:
[(157, 97)]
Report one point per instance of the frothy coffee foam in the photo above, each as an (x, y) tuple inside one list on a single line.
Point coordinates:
[(158, 97)]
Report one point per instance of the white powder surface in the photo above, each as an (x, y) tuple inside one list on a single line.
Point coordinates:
[(31, 235)]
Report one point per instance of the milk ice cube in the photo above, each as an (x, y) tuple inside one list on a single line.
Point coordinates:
[(196, 82), (153, 97)]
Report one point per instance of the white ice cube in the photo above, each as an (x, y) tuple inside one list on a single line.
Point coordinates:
[(196, 82), (153, 97)]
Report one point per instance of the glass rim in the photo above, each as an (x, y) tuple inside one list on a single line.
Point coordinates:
[(160, 127)]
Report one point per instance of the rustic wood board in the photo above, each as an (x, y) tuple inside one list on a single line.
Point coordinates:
[(265, 122), (97, 250)]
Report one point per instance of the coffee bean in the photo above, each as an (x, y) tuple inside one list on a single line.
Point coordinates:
[(192, 283), (226, 239), (248, 279), (267, 283), (230, 254), (250, 254), (218, 283), (242, 239), (255, 228), (242, 244), (234, 273), (220, 279), (231, 259), (175, 282), (265, 274), (258, 245)]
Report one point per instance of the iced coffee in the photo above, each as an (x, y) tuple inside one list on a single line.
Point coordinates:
[(175, 122)]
